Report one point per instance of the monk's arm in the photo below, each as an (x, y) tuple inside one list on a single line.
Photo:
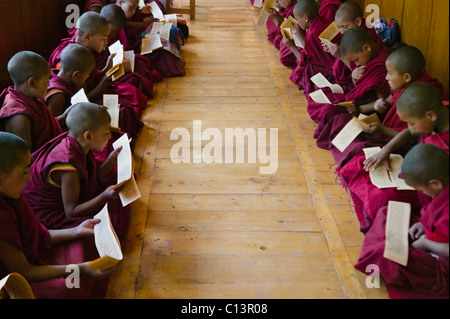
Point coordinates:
[(15, 261), (20, 125), (86, 228), (56, 104), (441, 249)]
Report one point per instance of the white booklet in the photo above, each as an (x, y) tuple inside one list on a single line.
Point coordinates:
[(397, 226)]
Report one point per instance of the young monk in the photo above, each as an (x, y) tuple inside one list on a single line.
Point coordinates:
[(328, 8), (404, 67), (92, 33), (420, 106), (22, 109), (28, 248), (426, 168), (312, 59), (349, 16), (96, 5), (66, 186), (77, 63), (356, 46)]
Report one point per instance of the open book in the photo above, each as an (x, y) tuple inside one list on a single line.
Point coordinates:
[(286, 29), (129, 59), (79, 97), (321, 81), (151, 43), (381, 177), (106, 241), (111, 102), (125, 170), (353, 128), (118, 69), (329, 33), (397, 225), (158, 14), (16, 287), (161, 28)]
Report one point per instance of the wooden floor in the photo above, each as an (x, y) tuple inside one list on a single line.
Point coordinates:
[(224, 230)]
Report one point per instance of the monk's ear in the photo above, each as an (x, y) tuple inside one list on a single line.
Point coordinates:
[(436, 185), (76, 75), (407, 77), (432, 115), (31, 82), (87, 136), (367, 47), (359, 21)]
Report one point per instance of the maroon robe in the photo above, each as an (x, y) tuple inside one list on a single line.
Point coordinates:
[(58, 85), (372, 82), (425, 276), (131, 100), (328, 9), (44, 125), (98, 3), (391, 120), (313, 59), (19, 227), (287, 57), (368, 199), (46, 199)]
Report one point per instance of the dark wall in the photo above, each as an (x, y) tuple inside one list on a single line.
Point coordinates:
[(34, 25)]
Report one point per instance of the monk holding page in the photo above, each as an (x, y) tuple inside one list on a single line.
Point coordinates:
[(67, 186), (328, 8), (23, 111), (39, 254), (426, 273)]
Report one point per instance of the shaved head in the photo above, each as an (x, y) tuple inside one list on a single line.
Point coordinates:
[(115, 15), (13, 148), (308, 8), (25, 65), (425, 162), (85, 117), (408, 59), (349, 11), (418, 99), (92, 23), (354, 40), (76, 57)]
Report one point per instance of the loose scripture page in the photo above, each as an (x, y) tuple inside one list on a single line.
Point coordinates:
[(129, 57), (379, 177), (156, 11), (165, 31), (258, 3), (130, 193), (117, 70), (171, 18), (321, 81), (151, 43), (106, 241), (396, 165), (397, 226), (347, 135), (79, 97), (111, 102), (319, 97), (16, 286), (329, 33), (269, 5)]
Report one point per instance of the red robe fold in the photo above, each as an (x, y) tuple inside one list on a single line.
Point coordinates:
[(314, 59), (287, 57), (19, 227), (46, 199), (425, 276), (44, 125), (328, 9), (372, 82)]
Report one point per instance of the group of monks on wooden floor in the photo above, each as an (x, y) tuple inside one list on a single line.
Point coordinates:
[(57, 162), (409, 117)]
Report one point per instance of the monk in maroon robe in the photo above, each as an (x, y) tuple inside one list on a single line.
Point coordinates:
[(25, 243), (313, 59), (48, 193), (427, 272), (368, 199), (328, 8), (22, 109), (287, 57)]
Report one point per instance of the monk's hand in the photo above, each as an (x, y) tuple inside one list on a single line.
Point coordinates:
[(276, 16), (109, 62), (146, 10), (416, 231), (289, 43), (382, 157), (86, 228), (149, 21), (357, 73), (371, 128), (381, 106), (334, 50), (421, 243), (352, 109), (111, 161)]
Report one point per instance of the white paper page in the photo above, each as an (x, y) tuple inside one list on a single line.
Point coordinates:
[(319, 97), (397, 226), (141, 4), (150, 43), (124, 159), (321, 81), (111, 101), (105, 237), (396, 165), (165, 31), (117, 48), (79, 97), (156, 11), (156, 28), (297, 41), (347, 135), (171, 18), (379, 177), (130, 193), (132, 57), (258, 3)]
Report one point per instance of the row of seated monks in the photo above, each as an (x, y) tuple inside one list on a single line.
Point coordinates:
[(58, 163), (413, 121)]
